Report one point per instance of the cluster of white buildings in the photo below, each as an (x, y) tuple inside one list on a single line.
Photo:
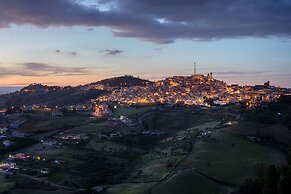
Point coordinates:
[(192, 90)]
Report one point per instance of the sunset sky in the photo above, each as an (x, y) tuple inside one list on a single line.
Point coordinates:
[(71, 42)]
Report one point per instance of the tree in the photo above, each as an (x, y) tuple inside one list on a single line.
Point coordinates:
[(169, 164), (286, 120), (260, 170), (251, 186), (289, 155), (285, 185), (271, 181)]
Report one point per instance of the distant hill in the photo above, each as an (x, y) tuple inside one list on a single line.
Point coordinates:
[(124, 81), (62, 96), (5, 90), (48, 95)]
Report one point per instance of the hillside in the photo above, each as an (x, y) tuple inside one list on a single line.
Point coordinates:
[(48, 95), (124, 81), (62, 96), (6, 90)]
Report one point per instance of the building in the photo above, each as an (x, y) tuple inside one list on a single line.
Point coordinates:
[(210, 77), (18, 134), (57, 114), (14, 110), (3, 130), (267, 84), (197, 77), (7, 143), (18, 123), (101, 110)]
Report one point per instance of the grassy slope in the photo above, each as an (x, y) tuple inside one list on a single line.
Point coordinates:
[(231, 164), (277, 132), (22, 191), (132, 111), (188, 183), (130, 189), (5, 185)]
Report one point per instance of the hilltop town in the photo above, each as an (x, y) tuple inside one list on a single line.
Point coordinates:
[(130, 134), (197, 89)]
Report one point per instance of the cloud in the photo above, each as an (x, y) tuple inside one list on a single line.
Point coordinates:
[(241, 73), (113, 51), (41, 69), (73, 53), (161, 21), (248, 74)]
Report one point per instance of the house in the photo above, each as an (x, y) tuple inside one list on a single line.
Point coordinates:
[(7, 165), (2, 111), (50, 143), (76, 137), (17, 134), (57, 114), (14, 110), (3, 130), (98, 189), (27, 108), (44, 171), (14, 125), (59, 161), (18, 123), (101, 110), (19, 156), (197, 77), (7, 143), (219, 102)]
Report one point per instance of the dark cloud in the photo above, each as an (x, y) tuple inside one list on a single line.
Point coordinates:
[(113, 51), (74, 53), (41, 69), (160, 21)]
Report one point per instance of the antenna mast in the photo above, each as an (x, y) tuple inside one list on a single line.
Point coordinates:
[(194, 68)]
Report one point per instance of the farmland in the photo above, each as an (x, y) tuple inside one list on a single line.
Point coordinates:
[(162, 151), (230, 158)]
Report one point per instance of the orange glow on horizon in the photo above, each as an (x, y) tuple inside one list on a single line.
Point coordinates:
[(50, 80)]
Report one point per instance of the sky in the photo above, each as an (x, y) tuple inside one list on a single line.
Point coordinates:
[(72, 42)]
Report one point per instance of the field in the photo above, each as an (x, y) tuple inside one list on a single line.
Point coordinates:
[(231, 159), (278, 133), (47, 123), (153, 165), (178, 151), (5, 185), (132, 111), (175, 120), (130, 188), (106, 146), (18, 185), (188, 183), (31, 191)]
